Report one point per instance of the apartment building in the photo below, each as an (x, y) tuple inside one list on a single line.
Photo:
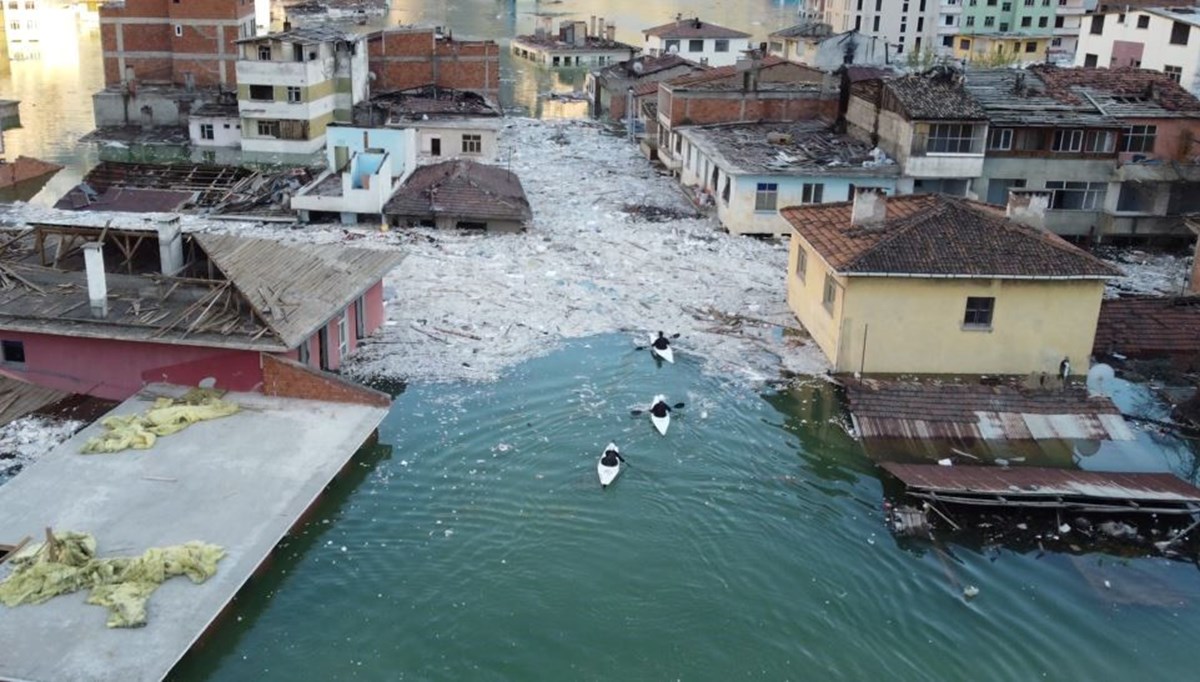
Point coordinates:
[(906, 26), (1165, 39)]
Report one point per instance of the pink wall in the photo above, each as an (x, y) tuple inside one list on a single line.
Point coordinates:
[(1177, 138), (373, 305), (118, 369), (1125, 53)]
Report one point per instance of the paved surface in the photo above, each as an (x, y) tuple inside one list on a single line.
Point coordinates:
[(238, 482)]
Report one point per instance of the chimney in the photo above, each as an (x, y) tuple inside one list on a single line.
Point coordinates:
[(611, 34), (287, 25), (170, 245), (1028, 207), (592, 25), (600, 28), (93, 260), (870, 207)]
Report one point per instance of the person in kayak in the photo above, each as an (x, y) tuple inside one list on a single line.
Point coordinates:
[(661, 343), (660, 409), (611, 457)]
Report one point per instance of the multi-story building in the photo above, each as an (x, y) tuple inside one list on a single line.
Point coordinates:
[(576, 44), (930, 125), (175, 42), (1114, 147), (406, 57), (906, 26), (816, 45), (696, 40), (1010, 31), (1165, 39), (292, 85), (610, 88)]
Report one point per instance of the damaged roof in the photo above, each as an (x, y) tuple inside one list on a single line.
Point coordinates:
[(810, 29), (798, 148), (267, 295), (1149, 326), (647, 65), (936, 235), (1016, 97), (972, 411), (1123, 92), (693, 28), (424, 103), (773, 73), (930, 97), (464, 189), (305, 35)]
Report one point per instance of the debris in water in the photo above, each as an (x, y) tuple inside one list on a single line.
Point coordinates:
[(970, 591)]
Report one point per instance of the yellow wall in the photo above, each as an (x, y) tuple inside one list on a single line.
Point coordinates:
[(805, 299), (916, 325)]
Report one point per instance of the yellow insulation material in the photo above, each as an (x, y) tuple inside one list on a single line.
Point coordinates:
[(166, 416), (122, 584)]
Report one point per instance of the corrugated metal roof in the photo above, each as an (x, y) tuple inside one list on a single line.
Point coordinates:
[(926, 410), (1025, 482)]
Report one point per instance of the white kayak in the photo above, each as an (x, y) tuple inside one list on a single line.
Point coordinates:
[(665, 353), (660, 423), (607, 474)]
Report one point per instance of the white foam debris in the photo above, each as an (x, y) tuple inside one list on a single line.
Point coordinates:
[(1147, 272), (24, 440)]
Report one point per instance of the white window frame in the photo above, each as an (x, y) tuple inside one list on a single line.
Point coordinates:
[(1091, 195), (801, 263), (294, 95), (951, 135), (812, 192), (343, 327), (1067, 141), (207, 131), (766, 197), (1000, 139), (472, 143), (829, 293), (1140, 136)]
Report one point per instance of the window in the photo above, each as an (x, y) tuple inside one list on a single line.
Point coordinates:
[(989, 21), (472, 144), (294, 95), (979, 312), (766, 196), (1059, 22), (178, 31), (1143, 21), (829, 295), (1076, 196), (13, 351), (1121, 18), (1056, 42), (1090, 60), (695, 46), (343, 326), (1026, 22), (671, 46), (1067, 141), (1179, 33), (725, 191), (1100, 142), (264, 53), (1175, 73), (1006, 7), (360, 318), (948, 41), (1030, 140), (801, 263), (1139, 138), (268, 128), (1004, 27), (206, 131), (970, 21), (1000, 139), (875, 24), (1031, 47), (998, 189), (721, 45), (1097, 24), (964, 44), (262, 93), (812, 192), (303, 353), (951, 138)]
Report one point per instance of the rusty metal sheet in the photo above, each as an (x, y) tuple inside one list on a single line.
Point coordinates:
[(1039, 481)]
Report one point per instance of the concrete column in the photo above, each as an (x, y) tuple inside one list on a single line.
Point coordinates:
[(1195, 283), (97, 283)]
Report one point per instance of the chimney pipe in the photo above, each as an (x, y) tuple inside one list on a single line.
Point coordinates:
[(592, 26), (170, 245), (870, 207), (93, 260), (600, 28), (610, 33), (1028, 207)]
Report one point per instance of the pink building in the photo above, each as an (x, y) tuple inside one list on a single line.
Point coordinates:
[(105, 311)]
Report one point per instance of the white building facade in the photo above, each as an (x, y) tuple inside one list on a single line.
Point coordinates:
[(697, 41), (292, 85), (1161, 39), (907, 26)]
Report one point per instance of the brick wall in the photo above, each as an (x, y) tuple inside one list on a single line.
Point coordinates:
[(289, 379), (403, 59), (704, 108), (194, 52)]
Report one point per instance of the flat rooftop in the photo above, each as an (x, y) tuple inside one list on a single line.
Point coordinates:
[(240, 482), (801, 148)]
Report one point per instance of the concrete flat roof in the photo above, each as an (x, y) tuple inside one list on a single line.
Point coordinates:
[(239, 482)]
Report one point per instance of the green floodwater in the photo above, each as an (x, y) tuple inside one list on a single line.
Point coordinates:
[(474, 543)]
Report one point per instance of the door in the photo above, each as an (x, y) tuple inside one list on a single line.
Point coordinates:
[(435, 146), (323, 344)]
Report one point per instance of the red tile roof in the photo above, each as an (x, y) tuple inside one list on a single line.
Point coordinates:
[(1149, 326), (461, 188), (1153, 86), (940, 236), (723, 72), (693, 28)]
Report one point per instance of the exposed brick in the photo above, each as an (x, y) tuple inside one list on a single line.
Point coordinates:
[(289, 379), (406, 58)]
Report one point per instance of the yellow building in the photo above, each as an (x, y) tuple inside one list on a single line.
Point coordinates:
[(934, 284), (998, 49)]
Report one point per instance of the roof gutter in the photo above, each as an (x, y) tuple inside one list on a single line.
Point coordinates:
[(920, 275)]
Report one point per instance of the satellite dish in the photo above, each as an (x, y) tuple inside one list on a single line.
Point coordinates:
[(674, 49), (1084, 447), (638, 67), (1101, 380)]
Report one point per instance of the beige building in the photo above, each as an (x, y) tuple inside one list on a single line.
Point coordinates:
[(933, 284)]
